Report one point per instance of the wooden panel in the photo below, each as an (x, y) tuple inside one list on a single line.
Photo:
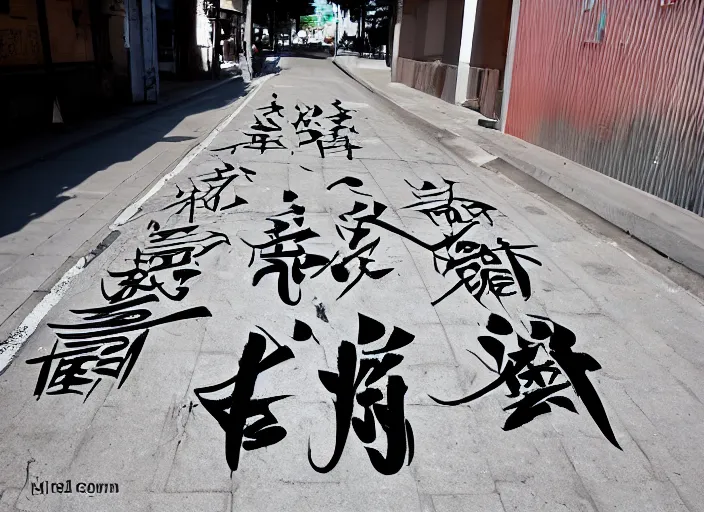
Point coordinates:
[(69, 30), (490, 88), (20, 43)]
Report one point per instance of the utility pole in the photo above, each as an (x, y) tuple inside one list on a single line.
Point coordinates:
[(396, 46), (150, 54), (248, 33), (337, 24), (363, 16), (216, 42), (46, 53)]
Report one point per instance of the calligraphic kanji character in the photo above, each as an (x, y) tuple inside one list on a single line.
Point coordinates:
[(307, 118), (340, 270), (174, 250), (272, 108), (440, 204), (218, 181), (209, 198), (248, 422), (285, 253), (100, 344), (354, 382), (481, 270), (333, 140), (260, 138), (113, 356), (524, 377)]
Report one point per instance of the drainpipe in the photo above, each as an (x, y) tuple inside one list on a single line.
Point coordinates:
[(46, 52), (468, 22), (508, 71), (248, 32), (133, 44), (396, 40), (216, 42)]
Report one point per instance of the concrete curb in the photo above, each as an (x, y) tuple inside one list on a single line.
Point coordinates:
[(664, 235), (119, 123), (439, 133), (661, 229)]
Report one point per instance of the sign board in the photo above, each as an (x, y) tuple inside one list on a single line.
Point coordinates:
[(324, 15), (232, 5)]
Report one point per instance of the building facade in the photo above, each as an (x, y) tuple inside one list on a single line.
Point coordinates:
[(454, 49), (77, 57), (70, 59), (616, 85)]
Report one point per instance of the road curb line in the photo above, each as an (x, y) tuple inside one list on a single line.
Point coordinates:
[(9, 349), (440, 133), (395, 106), (135, 207), (19, 336), (656, 235), (119, 126)]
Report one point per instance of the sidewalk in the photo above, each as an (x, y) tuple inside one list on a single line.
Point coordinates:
[(669, 229), (60, 207), (41, 146)]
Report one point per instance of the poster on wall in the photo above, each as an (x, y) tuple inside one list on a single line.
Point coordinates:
[(20, 44)]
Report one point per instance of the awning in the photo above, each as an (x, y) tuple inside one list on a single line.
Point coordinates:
[(232, 5)]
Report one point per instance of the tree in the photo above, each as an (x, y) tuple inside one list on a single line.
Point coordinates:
[(271, 13), (374, 19), (347, 42)]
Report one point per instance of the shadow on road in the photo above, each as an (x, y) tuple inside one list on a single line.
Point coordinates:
[(32, 191)]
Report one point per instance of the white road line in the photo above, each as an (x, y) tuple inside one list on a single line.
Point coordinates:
[(134, 208), (19, 336)]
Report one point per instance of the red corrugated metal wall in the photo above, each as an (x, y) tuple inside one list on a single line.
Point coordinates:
[(630, 105)]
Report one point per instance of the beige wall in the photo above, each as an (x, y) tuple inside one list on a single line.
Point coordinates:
[(435, 29), (20, 43), (117, 42), (431, 30), (406, 40), (421, 14)]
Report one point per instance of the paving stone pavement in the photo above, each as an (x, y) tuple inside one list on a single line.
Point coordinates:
[(140, 420)]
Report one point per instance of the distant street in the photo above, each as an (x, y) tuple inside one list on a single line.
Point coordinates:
[(325, 310)]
